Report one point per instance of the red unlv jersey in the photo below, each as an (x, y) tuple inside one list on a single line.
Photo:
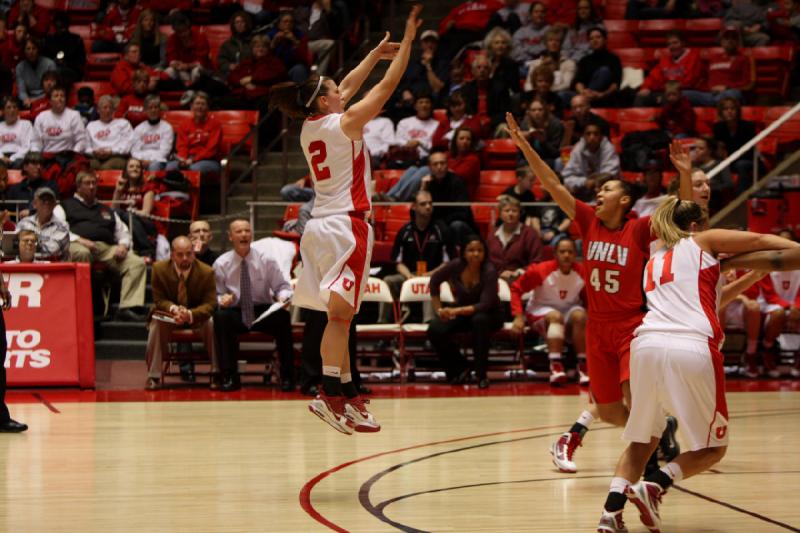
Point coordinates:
[(340, 168), (613, 263), (683, 286), (552, 288)]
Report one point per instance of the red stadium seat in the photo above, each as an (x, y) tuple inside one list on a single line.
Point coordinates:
[(642, 58), (500, 154), (615, 10), (786, 137), (385, 179), (235, 125), (702, 32), (100, 66), (621, 26), (216, 35), (484, 216), (621, 39), (440, 114), (106, 183), (628, 127), (652, 33), (54, 5), (493, 183), (290, 212), (754, 114), (773, 67), (638, 114), (610, 115)]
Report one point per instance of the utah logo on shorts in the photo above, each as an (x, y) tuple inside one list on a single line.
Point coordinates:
[(719, 429), (347, 284)]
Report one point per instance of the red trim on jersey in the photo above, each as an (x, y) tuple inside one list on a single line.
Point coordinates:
[(357, 257), (358, 191), (315, 117), (721, 405), (707, 279)]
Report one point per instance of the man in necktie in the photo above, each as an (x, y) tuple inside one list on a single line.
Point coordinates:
[(184, 296), (248, 283)]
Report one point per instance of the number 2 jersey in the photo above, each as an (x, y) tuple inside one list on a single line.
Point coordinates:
[(613, 264), (340, 167), (683, 286)]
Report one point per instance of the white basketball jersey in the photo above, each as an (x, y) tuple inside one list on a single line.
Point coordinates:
[(786, 285), (557, 290), (682, 285), (339, 166)]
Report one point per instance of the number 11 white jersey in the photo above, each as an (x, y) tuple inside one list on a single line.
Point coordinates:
[(682, 286), (339, 166)]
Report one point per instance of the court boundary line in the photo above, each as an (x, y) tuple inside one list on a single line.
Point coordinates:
[(41, 399), (305, 492)]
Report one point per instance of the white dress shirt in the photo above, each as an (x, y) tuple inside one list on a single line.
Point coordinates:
[(266, 279)]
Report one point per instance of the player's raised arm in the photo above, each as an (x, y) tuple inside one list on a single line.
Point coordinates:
[(549, 179), (351, 83), (679, 155), (737, 242), (775, 260), (368, 108)]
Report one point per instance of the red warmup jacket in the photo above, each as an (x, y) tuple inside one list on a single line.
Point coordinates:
[(117, 22), (265, 72), (122, 76), (471, 16), (41, 14), (677, 118), (11, 53), (689, 70), (199, 141), (198, 51), (733, 72), (468, 168), (131, 107)]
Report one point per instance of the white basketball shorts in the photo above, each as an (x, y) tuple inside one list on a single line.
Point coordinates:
[(683, 377), (536, 319), (336, 252)]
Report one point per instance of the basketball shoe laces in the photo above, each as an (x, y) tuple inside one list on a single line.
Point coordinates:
[(358, 403)]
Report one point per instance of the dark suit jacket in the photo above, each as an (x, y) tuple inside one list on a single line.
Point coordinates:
[(201, 289)]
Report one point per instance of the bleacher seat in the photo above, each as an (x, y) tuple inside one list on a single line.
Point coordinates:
[(100, 66), (493, 183), (642, 58), (385, 179), (702, 32), (615, 9), (500, 154), (100, 88), (652, 33), (773, 69), (235, 125), (484, 216)]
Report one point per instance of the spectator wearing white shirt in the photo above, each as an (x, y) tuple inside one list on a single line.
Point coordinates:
[(59, 131), (98, 234), (110, 138), (16, 135), (152, 139), (417, 132), (378, 135)]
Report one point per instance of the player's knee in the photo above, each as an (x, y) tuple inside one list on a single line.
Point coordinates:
[(554, 317), (751, 306), (555, 331), (578, 317)]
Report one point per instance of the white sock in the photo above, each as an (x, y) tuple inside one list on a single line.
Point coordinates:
[(618, 484), (346, 378), (673, 470), (332, 371), (554, 356), (751, 346), (585, 419)]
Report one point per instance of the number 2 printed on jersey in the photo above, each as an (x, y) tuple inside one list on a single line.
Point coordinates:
[(319, 152)]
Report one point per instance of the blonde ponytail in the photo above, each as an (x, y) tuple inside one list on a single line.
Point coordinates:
[(673, 219)]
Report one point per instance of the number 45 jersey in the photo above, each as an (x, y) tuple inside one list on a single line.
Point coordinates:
[(339, 166), (613, 264), (683, 285)]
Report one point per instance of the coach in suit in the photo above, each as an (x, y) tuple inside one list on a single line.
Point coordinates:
[(183, 290), (248, 282)]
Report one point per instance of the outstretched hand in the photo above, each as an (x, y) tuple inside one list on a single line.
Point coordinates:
[(679, 155), (516, 134), (387, 49), (413, 22)]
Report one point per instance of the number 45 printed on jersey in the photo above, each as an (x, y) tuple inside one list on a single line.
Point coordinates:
[(608, 282)]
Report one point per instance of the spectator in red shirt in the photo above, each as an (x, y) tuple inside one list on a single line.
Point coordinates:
[(13, 48), (117, 26), (187, 52), (253, 77), (36, 18), (131, 106), (464, 24), (680, 64), (456, 117), (730, 72), (677, 115), (122, 75), (198, 140), (464, 160)]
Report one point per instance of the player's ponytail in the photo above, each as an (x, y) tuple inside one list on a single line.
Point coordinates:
[(673, 219), (298, 100)]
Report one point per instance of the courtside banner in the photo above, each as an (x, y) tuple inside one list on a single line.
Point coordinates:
[(49, 328)]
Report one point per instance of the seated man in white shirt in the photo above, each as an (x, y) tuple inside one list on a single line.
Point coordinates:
[(153, 138), (52, 234), (16, 134), (248, 283), (109, 138), (98, 234), (416, 133), (59, 131)]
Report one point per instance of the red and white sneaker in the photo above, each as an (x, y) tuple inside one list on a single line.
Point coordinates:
[(750, 368), (562, 451), (611, 522), (646, 496), (771, 362), (583, 373), (356, 411), (557, 375), (331, 410)]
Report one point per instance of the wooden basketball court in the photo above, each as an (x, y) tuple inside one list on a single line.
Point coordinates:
[(478, 463)]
